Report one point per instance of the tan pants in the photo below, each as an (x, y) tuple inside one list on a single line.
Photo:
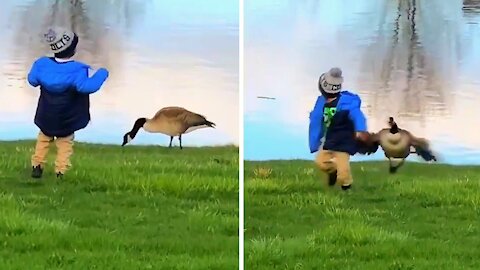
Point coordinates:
[(64, 151), (331, 161)]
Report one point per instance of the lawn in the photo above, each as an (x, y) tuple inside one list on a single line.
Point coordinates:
[(424, 217), (136, 207)]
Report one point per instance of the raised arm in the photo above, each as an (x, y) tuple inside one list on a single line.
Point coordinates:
[(89, 85)]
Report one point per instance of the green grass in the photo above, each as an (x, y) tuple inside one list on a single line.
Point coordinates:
[(424, 217), (136, 207)]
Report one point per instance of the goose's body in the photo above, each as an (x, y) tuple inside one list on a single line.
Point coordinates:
[(394, 145), (171, 121), (398, 143)]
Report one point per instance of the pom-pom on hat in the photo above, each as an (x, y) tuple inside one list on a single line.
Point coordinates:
[(331, 81), (60, 39)]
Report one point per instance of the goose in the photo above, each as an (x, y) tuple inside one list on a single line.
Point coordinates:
[(397, 144), (171, 121)]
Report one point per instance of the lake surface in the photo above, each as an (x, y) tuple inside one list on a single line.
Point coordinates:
[(159, 53), (415, 60)]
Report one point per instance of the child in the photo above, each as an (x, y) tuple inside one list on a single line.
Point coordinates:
[(337, 118), (64, 105)]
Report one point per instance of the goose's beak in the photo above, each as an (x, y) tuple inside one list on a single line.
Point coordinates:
[(126, 139)]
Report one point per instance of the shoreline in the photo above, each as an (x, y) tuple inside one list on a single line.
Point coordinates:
[(370, 161), (129, 145)]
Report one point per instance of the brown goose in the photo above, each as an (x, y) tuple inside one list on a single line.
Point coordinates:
[(397, 144), (171, 121)]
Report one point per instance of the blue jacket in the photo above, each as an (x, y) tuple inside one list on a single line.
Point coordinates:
[(349, 103), (64, 104)]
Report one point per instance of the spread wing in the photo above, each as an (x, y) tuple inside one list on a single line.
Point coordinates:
[(422, 148), (370, 146), (375, 137)]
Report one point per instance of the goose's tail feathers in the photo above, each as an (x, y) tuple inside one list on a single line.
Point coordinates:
[(210, 124)]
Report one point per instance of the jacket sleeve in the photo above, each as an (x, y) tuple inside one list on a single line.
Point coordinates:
[(357, 116), (89, 85), (32, 76), (316, 125)]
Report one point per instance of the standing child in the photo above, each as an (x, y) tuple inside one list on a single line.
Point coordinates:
[(64, 104), (338, 119)]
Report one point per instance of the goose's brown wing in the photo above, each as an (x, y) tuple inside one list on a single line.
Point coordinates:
[(195, 119), (170, 112), (370, 146), (375, 137), (422, 147), (181, 115), (417, 141)]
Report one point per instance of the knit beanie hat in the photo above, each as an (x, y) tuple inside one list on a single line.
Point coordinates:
[(331, 81), (62, 42)]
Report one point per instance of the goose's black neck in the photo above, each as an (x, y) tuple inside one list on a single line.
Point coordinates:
[(394, 128), (136, 127)]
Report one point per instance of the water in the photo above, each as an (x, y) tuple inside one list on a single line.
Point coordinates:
[(159, 53), (415, 60)]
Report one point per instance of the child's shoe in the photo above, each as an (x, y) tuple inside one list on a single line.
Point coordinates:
[(37, 171), (332, 178)]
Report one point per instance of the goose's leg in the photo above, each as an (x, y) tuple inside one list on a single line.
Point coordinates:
[(180, 140), (393, 169), (171, 139)]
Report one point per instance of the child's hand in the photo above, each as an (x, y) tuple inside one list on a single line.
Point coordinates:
[(367, 145), (92, 71), (93, 81), (103, 70), (363, 136)]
